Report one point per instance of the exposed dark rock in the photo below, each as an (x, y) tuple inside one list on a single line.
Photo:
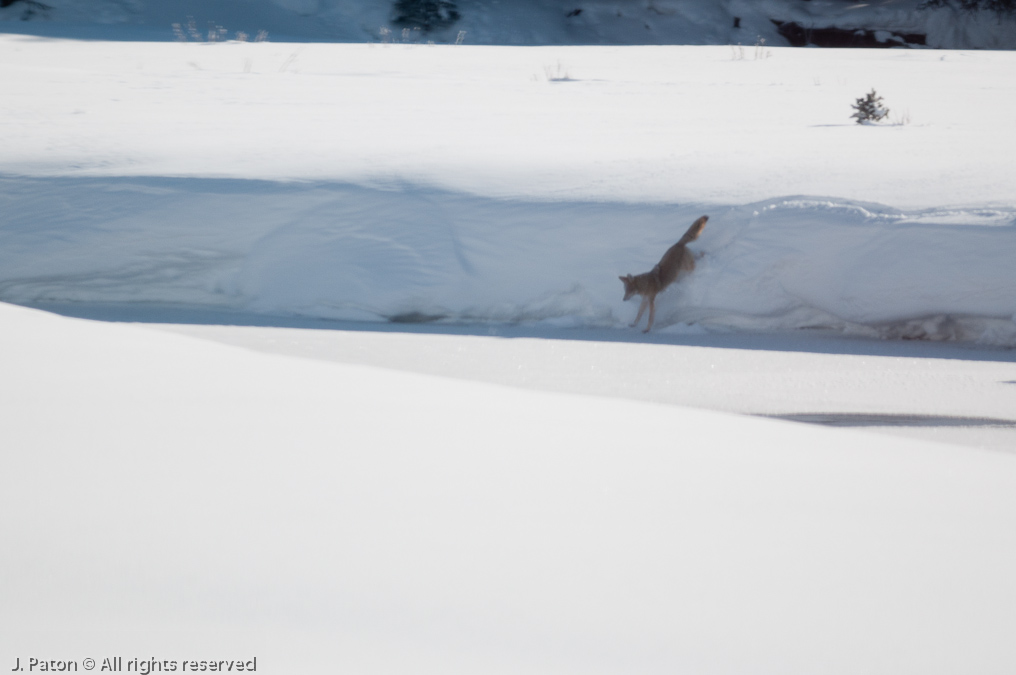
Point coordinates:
[(800, 36), (427, 15)]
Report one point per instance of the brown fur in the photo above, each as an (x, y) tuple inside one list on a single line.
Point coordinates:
[(677, 259)]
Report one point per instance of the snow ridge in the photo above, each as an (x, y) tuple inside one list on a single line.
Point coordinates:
[(413, 253)]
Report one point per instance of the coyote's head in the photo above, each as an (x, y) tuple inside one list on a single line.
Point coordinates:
[(630, 288)]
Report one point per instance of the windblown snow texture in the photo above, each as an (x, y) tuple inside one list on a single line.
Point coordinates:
[(345, 252)]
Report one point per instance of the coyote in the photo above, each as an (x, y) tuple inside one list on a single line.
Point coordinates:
[(677, 259)]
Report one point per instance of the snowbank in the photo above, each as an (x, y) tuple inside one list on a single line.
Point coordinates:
[(172, 499), (410, 253), (467, 184)]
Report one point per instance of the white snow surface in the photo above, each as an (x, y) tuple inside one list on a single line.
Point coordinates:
[(168, 498), (165, 497), (512, 184)]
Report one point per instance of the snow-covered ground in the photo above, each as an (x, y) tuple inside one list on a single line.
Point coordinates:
[(371, 182), (330, 491), (170, 498)]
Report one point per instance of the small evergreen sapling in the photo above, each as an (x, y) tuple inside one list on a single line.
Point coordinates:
[(870, 108)]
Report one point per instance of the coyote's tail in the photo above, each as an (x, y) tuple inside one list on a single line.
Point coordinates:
[(694, 231)]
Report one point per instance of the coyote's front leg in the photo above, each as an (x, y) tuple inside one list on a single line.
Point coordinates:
[(652, 312), (642, 309)]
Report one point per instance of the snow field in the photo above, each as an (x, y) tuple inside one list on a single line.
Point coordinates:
[(372, 182), (658, 124), (169, 495), (357, 517), (950, 393)]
